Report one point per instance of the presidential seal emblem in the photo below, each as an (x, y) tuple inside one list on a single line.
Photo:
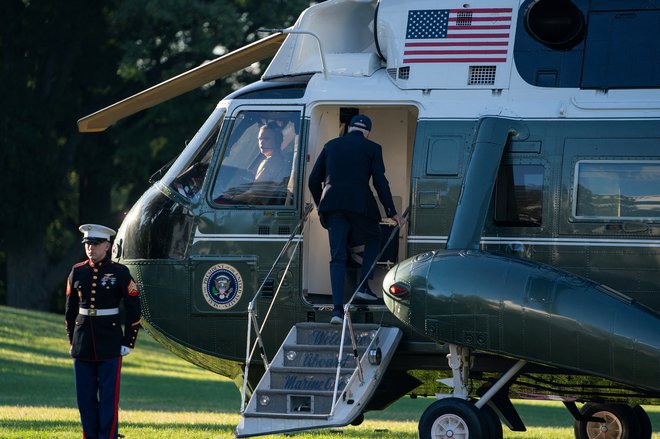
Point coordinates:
[(222, 286)]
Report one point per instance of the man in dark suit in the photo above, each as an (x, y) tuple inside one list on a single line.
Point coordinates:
[(339, 183), (94, 291)]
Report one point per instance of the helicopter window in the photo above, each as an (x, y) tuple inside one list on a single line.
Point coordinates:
[(259, 163), (519, 196), (189, 182), (617, 189), (187, 174)]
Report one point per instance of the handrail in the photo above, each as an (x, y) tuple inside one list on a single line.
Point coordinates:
[(252, 318), (348, 322)]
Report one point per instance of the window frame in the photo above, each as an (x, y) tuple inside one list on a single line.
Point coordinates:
[(222, 150)]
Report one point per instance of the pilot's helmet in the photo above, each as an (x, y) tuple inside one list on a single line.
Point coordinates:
[(96, 233)]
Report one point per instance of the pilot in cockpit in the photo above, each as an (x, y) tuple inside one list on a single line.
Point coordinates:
[(270, 179), (274, 167)]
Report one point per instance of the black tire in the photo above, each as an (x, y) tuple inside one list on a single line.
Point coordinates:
[(359, 419), (620, 422), (643, 422), (459, 416), (492, 422)]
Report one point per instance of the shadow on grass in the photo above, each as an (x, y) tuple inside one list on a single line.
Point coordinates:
[(408, 409), (197, 430), (37, 371), (174, 394), (53, 386)]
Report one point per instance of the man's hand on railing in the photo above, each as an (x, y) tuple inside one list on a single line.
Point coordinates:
[(400, 221)]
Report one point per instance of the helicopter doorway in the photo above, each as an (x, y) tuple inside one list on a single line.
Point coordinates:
[(393, 127)]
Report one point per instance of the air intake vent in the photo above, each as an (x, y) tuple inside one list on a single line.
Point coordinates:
[(404, 72), (284, 230), (268, 289), (482, 75), (392, 73), (264, 230)]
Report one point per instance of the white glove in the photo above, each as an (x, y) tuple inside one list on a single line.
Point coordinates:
[(125, 350), (70, 350)]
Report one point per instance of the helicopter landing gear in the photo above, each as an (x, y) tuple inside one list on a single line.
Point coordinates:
[(452, 418), (619, 422), (457, 416), (643, 421), (460, 419)]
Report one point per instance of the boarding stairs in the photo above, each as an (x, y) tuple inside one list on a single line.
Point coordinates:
[(314, 380), (306, 386)]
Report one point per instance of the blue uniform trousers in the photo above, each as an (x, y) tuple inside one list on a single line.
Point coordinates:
[(97, 390), (344, 226)]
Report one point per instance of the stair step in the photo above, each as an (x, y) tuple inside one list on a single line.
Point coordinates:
[(309, 370), (296, 392), (324, 334), (321, 348), (305, 402), (307, 378), (295, 416), (329, 325), (318, 356)]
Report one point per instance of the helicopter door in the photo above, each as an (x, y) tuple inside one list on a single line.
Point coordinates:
[(394, 128), (252, 205)]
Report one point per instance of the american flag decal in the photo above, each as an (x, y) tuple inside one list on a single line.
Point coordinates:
[(457, 35)]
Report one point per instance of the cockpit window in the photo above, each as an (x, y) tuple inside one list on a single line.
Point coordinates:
[(187, 174), (259, 166), (190, 181)]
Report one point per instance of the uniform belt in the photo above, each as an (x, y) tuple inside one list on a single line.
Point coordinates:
[(98, 312)]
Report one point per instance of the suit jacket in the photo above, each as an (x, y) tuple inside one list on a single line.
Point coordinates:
[(100, 286), (341, 174)]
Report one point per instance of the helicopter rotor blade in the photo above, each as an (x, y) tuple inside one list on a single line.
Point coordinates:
[(183, 83)]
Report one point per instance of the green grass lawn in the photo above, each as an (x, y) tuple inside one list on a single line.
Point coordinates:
[(164, 397)]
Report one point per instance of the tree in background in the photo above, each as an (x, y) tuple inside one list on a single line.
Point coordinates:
[(62, 60)]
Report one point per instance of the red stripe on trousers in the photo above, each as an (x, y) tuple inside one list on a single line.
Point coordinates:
[(113, 429)]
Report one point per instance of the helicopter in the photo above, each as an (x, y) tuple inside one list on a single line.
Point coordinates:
[(520, 138)]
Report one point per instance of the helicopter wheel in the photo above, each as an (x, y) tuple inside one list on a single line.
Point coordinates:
[(620, 422), (643, 421), (452, 418), (492, 422)]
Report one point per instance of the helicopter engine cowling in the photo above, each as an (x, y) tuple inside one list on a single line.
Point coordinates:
[(527, 310)]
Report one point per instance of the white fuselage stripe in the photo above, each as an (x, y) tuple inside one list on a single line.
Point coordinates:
[(585, 242), (199, 237), (428, 239)]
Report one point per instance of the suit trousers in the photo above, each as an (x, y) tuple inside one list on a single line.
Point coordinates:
[(344, 227), (97, 390)]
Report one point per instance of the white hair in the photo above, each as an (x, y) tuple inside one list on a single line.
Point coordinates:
[(354, 128)]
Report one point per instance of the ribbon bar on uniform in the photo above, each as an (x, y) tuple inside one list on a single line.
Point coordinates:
[(98, 312)]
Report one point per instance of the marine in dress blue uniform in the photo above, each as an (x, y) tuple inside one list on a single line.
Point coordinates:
[(95, 289), (339, 184)]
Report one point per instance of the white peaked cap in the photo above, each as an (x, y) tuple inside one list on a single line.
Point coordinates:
[(96, 233)]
